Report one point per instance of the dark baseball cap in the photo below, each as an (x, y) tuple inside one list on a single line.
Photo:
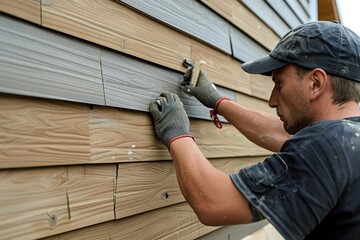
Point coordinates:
[(323, 44)]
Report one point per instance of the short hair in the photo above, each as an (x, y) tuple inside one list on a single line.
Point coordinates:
[(344, 89)]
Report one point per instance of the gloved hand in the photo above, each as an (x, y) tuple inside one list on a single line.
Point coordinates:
[(205, 91), (170, 119)]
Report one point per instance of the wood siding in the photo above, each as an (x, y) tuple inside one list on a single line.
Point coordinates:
[(79, 158)]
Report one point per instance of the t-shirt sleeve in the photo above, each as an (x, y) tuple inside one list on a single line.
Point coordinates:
[(293, 189)]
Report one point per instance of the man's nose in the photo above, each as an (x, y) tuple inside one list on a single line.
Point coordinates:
[(273, 100)]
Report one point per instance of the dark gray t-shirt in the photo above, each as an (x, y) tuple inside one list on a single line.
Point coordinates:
[(311, 188)]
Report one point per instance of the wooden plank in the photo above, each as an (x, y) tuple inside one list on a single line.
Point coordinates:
[(26, 9), (328, 10), (284, 12), (128, 136), (41, 63), (265, 13), (254, 103), (241, 231), (146, 186), (132, 84), (188, 16), (41, 202), (261, 86), (39, 132), (298, 10), (122, 29), (244, 48), (244, 19), (173, 222), (222, 69)]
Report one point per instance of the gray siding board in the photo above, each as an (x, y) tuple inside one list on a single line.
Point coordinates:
[(284, 12), (38, 62), (132, 83), (189, 16), (45, 64), (298, 10), (267, 14), (244, 48), (305, 4)]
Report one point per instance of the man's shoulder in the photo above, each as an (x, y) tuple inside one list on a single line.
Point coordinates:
[(330, 127)]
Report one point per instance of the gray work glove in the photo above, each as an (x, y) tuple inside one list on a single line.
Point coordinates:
[(170, 119), (205, 91)]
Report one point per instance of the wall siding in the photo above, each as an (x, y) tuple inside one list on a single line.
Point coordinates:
[(79, 157)]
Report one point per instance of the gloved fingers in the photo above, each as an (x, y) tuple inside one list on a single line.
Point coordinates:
[(203, 78), (155, 109), (169, 97), (187, 76), (177, 99)]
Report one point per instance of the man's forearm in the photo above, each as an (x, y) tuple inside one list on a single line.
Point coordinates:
[(209, 191), (261, 128)]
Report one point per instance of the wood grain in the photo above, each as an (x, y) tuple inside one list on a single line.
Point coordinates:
[(131, 83), (261, 86), (39, 132), (47, 201), (173, 222), (26, 9), (254, 103), (123, 29), (41, 63), (188, 16), (146, 186), (222, 69), (245, 20), (129, 136)]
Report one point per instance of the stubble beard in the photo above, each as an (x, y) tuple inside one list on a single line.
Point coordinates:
[(301, 116)]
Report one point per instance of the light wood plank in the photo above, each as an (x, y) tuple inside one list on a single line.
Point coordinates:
[(188, 16), (267, 14), (39, 132), (238, 232), (173, 222), (245, 20), (146, 186), (41, 63), (131, 83), (25, 9), (254, 103), (128, 136), (222, 69), (122, 29), (261, 86), (41, 202)]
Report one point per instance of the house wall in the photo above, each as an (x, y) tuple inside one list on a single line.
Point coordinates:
[(79, 157)]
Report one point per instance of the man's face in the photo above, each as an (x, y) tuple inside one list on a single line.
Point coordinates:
[(290, 99)]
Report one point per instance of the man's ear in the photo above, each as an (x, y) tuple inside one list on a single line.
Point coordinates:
[(319, 82)]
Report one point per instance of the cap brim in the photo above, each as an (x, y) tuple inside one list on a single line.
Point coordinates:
[(263, 65)]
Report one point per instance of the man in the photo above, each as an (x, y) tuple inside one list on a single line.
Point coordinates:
[(310, 188)]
